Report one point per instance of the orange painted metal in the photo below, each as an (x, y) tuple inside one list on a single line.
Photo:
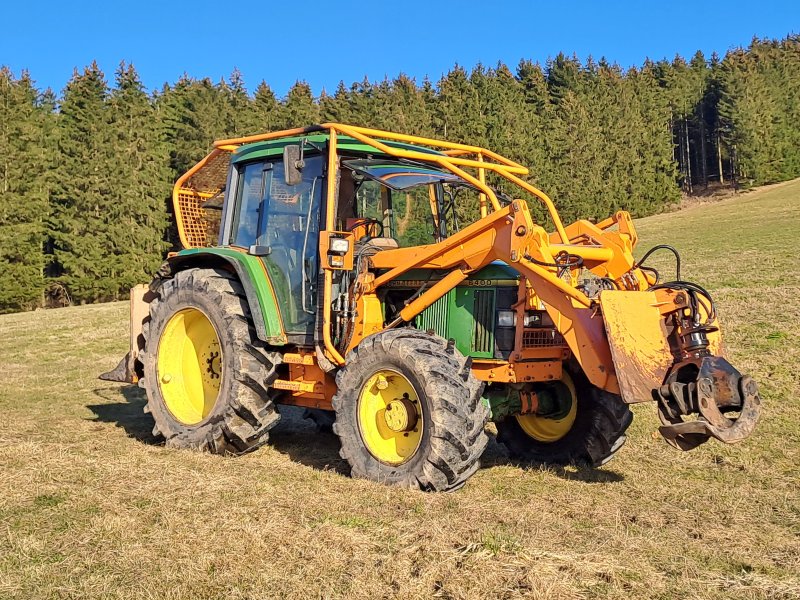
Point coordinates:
[(308, 385), (505, 233), (517, 372)]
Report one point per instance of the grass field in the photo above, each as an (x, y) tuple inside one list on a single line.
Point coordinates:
[(92, 507)]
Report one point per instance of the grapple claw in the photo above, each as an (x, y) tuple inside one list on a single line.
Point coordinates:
[(710, 388)]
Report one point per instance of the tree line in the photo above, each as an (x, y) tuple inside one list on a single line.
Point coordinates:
[(86, 176)]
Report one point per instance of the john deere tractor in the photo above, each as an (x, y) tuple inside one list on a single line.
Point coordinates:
[(385, 283)]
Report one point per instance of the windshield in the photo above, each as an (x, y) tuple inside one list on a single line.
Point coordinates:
[(411, 203)]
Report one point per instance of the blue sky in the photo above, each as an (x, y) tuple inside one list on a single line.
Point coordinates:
[(324, 42)]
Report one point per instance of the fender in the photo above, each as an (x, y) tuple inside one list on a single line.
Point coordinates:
[(257, 287)]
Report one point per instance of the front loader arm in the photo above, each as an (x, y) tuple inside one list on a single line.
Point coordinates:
[(510, 235), (635, 340)]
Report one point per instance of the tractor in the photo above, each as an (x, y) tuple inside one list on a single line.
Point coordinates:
[(391, 286)]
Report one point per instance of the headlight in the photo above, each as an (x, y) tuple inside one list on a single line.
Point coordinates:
[(339, 245), (506, 318)]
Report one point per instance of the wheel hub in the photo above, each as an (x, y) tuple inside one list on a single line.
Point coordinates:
[(389, 417), (400, 415)]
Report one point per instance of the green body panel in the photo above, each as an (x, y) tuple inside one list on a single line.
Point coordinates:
[(251, 267), (467, 313), (344, 144), (493, 274)]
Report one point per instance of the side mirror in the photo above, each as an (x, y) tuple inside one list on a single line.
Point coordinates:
[(293, 164)]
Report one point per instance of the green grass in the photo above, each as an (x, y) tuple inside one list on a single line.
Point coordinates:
[(90, 507)]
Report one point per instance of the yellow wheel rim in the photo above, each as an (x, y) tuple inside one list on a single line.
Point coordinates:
[(547, 430), (390, 417), (189, 366)]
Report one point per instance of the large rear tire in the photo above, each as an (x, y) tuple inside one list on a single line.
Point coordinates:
[(591, 432), (205, 371), (409, 412)]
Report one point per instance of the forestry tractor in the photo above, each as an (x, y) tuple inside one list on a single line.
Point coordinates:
[(388, 284)]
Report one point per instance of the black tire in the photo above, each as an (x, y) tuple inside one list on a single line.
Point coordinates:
[(244, 410), (596, 435), (453, 412)]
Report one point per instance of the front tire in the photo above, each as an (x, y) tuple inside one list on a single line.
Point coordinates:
[(409, 412), (205, 371), (591, 432)]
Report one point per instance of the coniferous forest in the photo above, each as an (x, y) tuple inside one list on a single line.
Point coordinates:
[(86, 175)]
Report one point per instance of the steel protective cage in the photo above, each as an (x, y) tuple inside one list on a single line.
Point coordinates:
[(207, 178)]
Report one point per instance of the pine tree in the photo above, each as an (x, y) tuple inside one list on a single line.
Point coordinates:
[(138, 217), (194, 114), (299, 108), (336, 108), (24, 121), (83, 200), (238, 106), (263, 114)]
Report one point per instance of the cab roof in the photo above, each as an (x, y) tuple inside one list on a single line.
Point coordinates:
[(345, 143)]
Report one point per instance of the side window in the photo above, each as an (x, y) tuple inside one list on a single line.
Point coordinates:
[(371, 203), (413, 218), (248, 203), (461, 206)]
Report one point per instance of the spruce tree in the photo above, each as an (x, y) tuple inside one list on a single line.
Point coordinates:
[(336, 108), (84, 194), (299, 108), (141, 182), (24, 122), (264, 114)]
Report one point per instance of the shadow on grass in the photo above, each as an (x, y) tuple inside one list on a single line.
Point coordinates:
[(300, 440), (587, 474), (496, 455), (294, 436), (125, 409)]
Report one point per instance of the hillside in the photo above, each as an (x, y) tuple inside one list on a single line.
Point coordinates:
[(91, 507)]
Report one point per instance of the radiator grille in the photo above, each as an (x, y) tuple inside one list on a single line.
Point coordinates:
[(434, 318), (541, 338), (483, 311)]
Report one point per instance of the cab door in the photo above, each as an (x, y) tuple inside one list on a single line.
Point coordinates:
[(279, 224)]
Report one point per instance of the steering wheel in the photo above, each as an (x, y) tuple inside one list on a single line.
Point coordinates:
[(366, 222)]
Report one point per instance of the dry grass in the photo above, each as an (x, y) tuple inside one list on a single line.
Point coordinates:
[(90, 507)]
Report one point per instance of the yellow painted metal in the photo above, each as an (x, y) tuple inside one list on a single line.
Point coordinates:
[(547, 430), (638, 341), (369, 318), (504, 233), (189, 366), (451, 160), (293, 358), (482, 178), (295, 386), (392, 439), (637, 337), (333, 166)]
